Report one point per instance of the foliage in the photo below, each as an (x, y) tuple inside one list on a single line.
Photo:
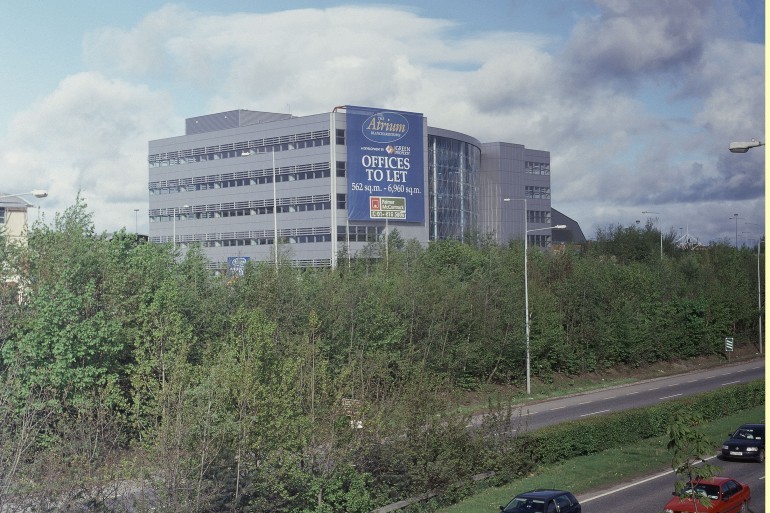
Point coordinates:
[(588, 436), (327, 389), (689, 447)]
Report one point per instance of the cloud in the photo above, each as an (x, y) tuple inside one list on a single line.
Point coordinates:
[(637, 106), (88, 135), (632, 42)]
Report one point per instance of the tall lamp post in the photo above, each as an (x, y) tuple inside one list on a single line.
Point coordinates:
[(759, 292), (735, 216), (743, 147), (660, 229), (526, 283)]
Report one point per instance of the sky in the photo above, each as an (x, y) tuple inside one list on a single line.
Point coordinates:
[(637, 102)]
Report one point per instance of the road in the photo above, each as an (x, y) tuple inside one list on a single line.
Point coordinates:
[(650, 494), (640, 394)]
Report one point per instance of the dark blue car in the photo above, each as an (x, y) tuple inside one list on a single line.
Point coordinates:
[(747, 443), (543, 501)]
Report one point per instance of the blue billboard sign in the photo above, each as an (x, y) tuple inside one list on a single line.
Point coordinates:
[(385, 165), (236, 265)]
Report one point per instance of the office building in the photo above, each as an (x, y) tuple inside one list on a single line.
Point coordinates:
[(320, 188)]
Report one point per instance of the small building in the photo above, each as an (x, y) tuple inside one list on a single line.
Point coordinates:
[(13, 218)]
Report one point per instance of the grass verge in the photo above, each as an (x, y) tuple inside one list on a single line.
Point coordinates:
[(604, 469)]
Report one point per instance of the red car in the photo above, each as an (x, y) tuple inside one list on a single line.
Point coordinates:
[(726, 495)]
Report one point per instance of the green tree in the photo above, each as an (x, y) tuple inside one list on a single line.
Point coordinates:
[(688, 448)]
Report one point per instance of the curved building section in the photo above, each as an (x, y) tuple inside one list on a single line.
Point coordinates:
[(454, 162)]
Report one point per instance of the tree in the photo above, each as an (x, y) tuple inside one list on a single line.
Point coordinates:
[(688, 447)]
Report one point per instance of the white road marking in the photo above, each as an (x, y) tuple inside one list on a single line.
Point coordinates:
[(656, 476), (594, 413), (730, 383), (668, 397)]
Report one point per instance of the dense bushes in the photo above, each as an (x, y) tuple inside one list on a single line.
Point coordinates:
[(147, 376)]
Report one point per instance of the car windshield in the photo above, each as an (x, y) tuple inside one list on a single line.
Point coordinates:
[(747, 434), (523, 505), (710, 491)]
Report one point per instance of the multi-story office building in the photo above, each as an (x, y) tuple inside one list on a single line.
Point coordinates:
[(321, 187)]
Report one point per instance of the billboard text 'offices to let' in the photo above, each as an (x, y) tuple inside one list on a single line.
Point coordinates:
[(385, 165)]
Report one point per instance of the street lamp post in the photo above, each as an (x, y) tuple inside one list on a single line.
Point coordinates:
[(759, 293), (526, 283), (38, 193), (526, 291), (743, 147), (735, 216), (660, 229), (175, 212)]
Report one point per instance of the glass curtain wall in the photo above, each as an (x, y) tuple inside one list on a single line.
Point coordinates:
[(453, 184)]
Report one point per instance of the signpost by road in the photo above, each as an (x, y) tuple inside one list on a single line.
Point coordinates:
[(728, 346)]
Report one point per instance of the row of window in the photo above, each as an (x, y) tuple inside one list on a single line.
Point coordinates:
[(359, 233), (255, 177), (535, 192), (240, 149), (2, 215), (539, 216), (543, 241), (352, 233), (300, 239), (160, 216), (537, 168)]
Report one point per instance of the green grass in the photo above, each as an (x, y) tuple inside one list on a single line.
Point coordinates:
[(603, 469)]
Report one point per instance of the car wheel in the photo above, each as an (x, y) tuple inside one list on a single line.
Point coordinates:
[(745, 507), (761, 455)]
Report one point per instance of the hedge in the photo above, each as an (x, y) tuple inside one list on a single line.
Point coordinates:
[(588, 436)]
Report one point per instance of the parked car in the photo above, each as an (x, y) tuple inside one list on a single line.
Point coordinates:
[(543, 501), (726, 495), (748, 442)]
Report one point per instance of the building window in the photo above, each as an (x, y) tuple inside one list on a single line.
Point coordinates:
[(542, 241), (246, 149), (537, 168), (342, 201), (243, 179), (340, 137), (341, 168), (539, 216), (2, 215), (534, 192)]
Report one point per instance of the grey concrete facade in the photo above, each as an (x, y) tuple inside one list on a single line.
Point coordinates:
[(215, 186), (508, 172)]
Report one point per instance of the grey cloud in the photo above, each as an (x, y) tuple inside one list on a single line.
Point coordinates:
[(633, 38), (738, 179)]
